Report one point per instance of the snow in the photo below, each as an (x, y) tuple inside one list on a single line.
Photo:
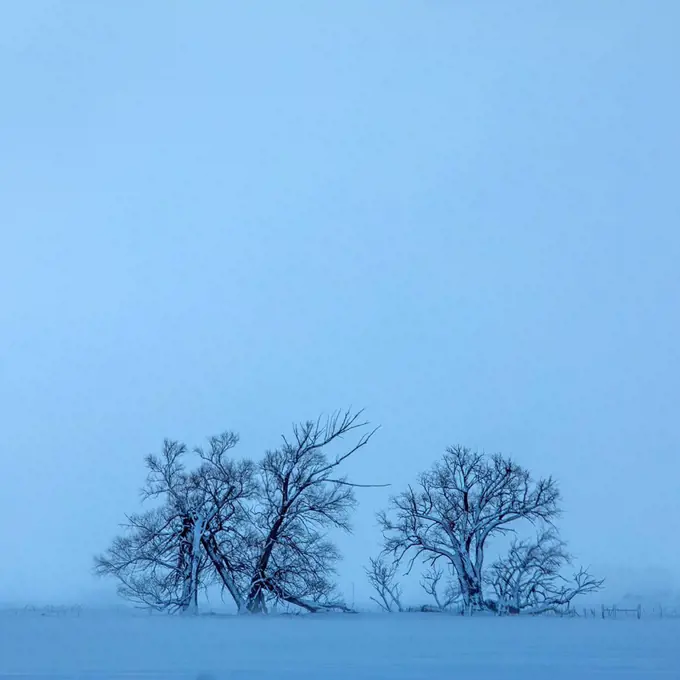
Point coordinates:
[(364, 646)]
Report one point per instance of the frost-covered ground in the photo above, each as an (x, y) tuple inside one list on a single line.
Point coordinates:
[(427, 646)]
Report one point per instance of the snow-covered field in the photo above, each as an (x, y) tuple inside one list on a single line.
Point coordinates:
[(396, 647)]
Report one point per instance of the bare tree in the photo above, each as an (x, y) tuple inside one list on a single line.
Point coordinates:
[(226, 488), (149, 562), (530, 577), (164, 556), (382, 577), (457, 506), (168, 481), (431, 584), (301, 495)]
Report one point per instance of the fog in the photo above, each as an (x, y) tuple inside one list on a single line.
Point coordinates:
[(460, 216)]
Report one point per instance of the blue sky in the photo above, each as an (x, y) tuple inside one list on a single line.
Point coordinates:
[(462, 216)]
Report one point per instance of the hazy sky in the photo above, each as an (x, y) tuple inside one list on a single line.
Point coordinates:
[(461, 215)]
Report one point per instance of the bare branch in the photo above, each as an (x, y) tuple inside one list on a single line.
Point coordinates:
[(529, 578), (382, 577), (430, 583)]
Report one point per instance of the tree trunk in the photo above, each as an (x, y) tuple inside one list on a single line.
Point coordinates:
[(186, 563), (470, 583), (197, 531), (223, 569), (256, 602)]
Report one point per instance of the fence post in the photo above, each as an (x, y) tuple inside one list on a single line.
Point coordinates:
[(639, 611), (603, 611)]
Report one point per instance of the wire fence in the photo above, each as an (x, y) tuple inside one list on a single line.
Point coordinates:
[(640, 611), (602, 611), (44, 610)]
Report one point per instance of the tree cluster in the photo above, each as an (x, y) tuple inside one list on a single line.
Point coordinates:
[(452, 514), (261, 529)]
